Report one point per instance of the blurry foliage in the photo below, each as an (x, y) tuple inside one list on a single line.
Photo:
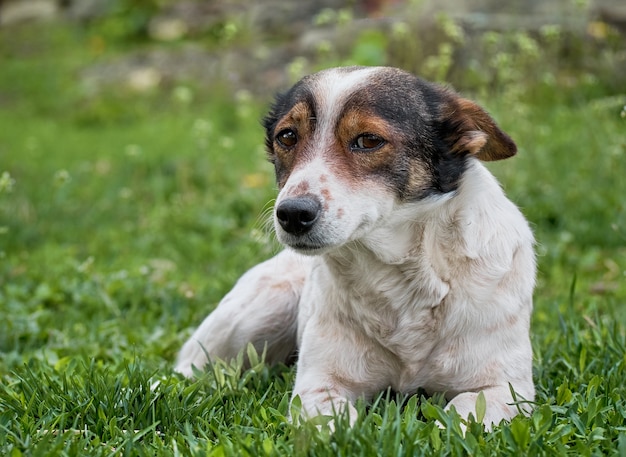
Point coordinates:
[(511, 61), (129, 19), (437, 48)]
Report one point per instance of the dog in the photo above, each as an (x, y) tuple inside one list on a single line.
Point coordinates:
[(405, 267)]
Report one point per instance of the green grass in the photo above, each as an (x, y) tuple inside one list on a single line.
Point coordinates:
[(124, 218)]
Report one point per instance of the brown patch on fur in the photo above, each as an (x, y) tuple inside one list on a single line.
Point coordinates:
[(357, 122), (472, 130), (277, 284), (345, 382), (299, 119), (491, 373), (319, 390), (351, 165), (281, 286), (418, 177), (300, 189), (510, 321)]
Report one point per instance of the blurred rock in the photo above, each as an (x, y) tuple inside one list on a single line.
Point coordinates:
[(143, 79), (164, 29), (188, 18), (85, 10), (145, 69), (16, 11), (251, 69)]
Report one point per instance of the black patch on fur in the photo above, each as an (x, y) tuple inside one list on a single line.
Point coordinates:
[(448, 166), (412, 105)]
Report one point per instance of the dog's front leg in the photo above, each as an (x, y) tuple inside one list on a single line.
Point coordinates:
[(261, 309), (323, 396), (335, 368)]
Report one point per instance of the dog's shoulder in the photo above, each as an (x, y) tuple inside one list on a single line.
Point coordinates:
[(481, 219), (484, 248)]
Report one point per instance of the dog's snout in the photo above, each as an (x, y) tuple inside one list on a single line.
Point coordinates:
[(298, 215)]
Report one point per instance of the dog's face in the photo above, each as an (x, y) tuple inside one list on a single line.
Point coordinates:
[(351, 145)]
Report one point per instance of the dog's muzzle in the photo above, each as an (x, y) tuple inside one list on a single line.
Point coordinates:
[(297, 216)]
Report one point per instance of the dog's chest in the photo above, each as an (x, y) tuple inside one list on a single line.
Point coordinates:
[(397, 307)]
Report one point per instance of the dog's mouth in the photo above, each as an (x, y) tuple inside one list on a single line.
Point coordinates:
[(307, 244), (308, 247)]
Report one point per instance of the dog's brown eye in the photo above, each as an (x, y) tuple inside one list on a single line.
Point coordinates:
[(287, 138), (367, 142)]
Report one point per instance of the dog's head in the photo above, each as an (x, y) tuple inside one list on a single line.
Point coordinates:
[(350, 145)]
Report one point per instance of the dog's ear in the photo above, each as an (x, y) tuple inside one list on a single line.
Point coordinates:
[(469, 129)]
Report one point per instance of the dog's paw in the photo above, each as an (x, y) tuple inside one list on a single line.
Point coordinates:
[(490, 406), (192, 357), (316, 403)]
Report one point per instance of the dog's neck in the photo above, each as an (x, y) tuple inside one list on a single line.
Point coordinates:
[(400, 238)]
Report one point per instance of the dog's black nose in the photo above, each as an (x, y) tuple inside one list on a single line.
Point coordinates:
[(298, 215)]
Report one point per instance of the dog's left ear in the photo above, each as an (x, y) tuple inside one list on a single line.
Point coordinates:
[(469, 129)]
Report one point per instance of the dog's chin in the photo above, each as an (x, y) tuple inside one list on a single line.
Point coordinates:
[(305, 245), (309, 249)]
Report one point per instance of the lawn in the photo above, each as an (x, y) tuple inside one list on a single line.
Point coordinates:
[(125, 217)]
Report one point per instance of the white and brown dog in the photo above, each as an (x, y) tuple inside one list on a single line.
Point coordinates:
[(406, 266)]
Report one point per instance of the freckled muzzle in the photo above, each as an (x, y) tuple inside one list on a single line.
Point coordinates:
[(297, 216)]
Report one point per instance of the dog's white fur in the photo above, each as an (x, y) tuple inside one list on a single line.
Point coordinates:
[(433, 294)]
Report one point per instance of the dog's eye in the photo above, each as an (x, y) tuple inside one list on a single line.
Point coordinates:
[(367, 142), (287, 138)]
